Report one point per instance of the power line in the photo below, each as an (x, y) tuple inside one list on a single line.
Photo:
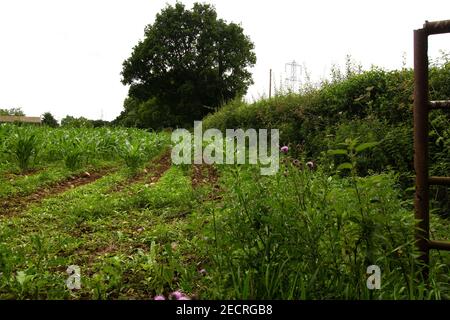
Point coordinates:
[(293, 79)]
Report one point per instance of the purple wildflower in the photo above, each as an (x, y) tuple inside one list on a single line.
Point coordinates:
[(177, 295), (159, 297), (284, 149), (203, 272)]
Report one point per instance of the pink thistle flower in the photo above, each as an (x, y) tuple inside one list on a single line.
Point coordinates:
[(159, 297), (284, 149), (177, 295)]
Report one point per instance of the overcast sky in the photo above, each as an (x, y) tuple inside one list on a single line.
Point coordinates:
[(65, 56)]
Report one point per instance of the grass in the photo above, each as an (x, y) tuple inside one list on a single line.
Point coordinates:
[(119, 239), (216, 233)]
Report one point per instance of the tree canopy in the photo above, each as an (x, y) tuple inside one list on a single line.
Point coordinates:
[(189, 63), (81, 122), (12, 112), (49, 120)]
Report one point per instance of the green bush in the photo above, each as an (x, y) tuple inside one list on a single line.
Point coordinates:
[(372, 105)]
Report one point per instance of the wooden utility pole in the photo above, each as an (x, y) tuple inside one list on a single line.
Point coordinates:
[(270, 83)]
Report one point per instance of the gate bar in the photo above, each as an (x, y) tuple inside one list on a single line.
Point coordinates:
[(443, 104), (443, 181), (440, 245), (437, 27)]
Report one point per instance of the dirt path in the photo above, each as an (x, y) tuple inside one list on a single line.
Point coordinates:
[(18, 203), (205, 174), (156, 166)]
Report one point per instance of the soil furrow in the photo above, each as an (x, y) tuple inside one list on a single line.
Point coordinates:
[(157, 167), (206, 174), (18, 203)]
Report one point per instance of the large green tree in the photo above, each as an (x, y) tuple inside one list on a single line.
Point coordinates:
[(49, 120), (189, 63)]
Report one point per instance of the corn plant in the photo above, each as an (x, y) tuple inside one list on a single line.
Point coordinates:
[(73, 159), (132, 154), (72, 151), (24, 148), (106, 143)]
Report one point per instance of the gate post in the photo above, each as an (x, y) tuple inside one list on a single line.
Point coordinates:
[(421, 199)]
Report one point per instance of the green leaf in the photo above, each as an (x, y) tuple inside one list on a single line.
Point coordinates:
[(21, 277), (345, 165), (439, 140), (337, 151), (366, 145)]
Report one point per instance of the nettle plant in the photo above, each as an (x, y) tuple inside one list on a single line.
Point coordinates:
[(352, 151)]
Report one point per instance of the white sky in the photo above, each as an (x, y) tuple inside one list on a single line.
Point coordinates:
[(65, 56)]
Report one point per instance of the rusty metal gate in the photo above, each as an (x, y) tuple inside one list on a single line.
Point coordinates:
[(422, 107)]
